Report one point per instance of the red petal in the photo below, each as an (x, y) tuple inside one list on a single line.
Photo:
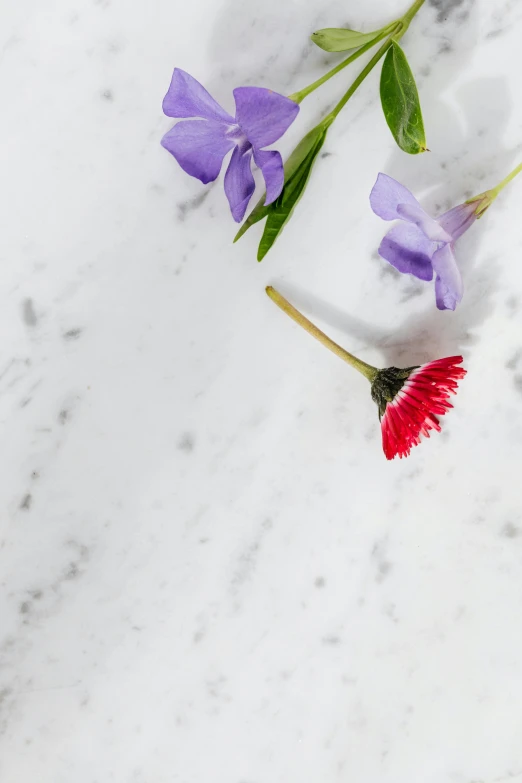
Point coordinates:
[(413, 412)]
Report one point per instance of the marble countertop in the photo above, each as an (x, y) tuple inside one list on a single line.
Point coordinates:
[(209, 572)]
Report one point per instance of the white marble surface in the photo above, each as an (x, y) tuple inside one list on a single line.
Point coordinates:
[(209, 572)]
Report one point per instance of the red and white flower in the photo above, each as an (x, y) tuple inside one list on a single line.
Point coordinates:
[(410, 400)]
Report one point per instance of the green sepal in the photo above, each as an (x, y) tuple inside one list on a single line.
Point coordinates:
[(387, 384)]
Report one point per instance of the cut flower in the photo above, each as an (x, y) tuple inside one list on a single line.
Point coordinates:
[(200, 145), (409, 401), (421, 245)]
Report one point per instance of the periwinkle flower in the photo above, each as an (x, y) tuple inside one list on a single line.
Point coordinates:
[(421, 245), (200, 145)]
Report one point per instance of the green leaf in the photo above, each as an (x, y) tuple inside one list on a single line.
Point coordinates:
[(258, 213), (280, 212), (400, 102), (298, 156), (339, 39)]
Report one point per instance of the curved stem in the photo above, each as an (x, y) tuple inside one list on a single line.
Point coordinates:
[(302, 94), (367, 370)]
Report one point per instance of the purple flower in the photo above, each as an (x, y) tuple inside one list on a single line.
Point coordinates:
[(199, 145), (421, 245)]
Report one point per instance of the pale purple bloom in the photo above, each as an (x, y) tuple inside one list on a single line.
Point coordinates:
[(199, 145), (421, 245)]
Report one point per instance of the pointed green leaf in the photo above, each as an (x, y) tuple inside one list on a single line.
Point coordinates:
[(307, 144), (281, 210), (259, 212), (297, 157), (400, 102), (339, 39)]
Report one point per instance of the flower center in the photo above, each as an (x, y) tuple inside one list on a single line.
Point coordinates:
[(387, 385), (237, 135)]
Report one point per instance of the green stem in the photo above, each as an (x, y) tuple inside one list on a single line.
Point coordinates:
[(367, 370), (505, 181), (484, 200), (396, 32), (302, 94), (393, 30), (365, 71), (408, 16)]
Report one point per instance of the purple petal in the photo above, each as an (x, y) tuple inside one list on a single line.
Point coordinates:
[(199, 146), (458, 219), (186, 97), (263, 115), (448, 281), (407, 249), (239, 182), (386, 196), (431, 229), (271, 164)]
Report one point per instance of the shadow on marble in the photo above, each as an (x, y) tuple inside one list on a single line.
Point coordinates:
[(432, 333), (469, 156), (465, 134), (419, 338), (475, 159), (271, 46)]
